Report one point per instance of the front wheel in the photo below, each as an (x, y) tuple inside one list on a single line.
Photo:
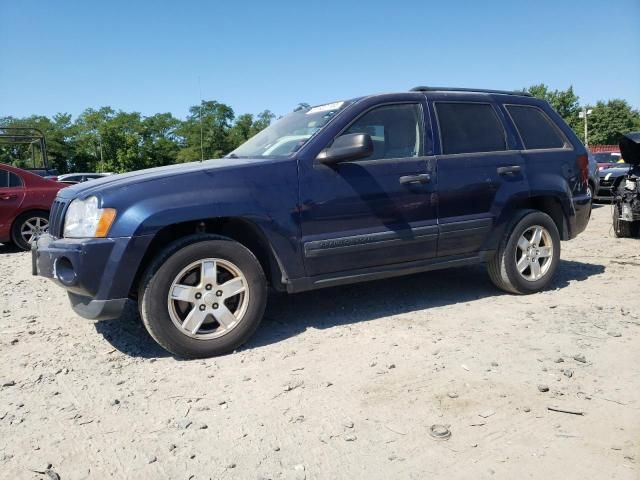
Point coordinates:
[(203, 296), (528, 256), (621, 228)]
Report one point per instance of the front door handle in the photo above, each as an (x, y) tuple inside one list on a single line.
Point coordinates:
[(509, 170), (410, 179)]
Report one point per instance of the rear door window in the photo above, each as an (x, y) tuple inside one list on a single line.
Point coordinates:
[(9, 179), (467, 127), (536, 130), (14, 180)]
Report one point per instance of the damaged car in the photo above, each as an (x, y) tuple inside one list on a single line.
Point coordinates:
[(626, 202)]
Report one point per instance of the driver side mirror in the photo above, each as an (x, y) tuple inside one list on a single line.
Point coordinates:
[(347, 147)]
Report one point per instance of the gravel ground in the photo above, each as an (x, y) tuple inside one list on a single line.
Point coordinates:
[(340, 383)]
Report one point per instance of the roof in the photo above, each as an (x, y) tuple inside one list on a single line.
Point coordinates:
[(470, 90)]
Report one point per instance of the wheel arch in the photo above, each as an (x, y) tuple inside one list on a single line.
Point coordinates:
[(240, 229), (550, 204)]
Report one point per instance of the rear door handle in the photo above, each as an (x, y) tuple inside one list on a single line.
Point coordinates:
[(509, 170), (8, 197), (410, 179)]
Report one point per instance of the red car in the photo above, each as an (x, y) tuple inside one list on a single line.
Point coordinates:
[(25, 200)]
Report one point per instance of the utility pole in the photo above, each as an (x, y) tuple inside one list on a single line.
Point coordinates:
[(584, 114)]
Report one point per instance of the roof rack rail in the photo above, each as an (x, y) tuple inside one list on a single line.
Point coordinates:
[(473, 90)]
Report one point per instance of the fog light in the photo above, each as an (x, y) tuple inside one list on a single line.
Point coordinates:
[(63, 271)]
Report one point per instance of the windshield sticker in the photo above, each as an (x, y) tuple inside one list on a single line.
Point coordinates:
[(325, 108)]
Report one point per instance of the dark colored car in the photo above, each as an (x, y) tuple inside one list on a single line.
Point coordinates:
[(626, 195), (609, 181), (355, 190), (25, 200)]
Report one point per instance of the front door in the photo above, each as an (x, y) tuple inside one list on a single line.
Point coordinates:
[(373, 211)]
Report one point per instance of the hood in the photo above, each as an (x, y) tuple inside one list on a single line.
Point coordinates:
[(630, 148), (618, 168), (125, 180)]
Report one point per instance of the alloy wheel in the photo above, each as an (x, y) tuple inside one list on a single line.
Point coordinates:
[(32, 228), (534, 253), (208, 298)]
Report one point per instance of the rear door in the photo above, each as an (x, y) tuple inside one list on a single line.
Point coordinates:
[(11, 198), (377, 210), (479, 170)]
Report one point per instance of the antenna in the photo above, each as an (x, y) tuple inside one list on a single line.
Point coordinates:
[(201, 130)]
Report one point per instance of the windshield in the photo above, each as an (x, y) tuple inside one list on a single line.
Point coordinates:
[(288, 134)]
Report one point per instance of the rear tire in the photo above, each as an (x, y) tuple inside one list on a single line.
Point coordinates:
[(212, 319), (513, 266), (28, 226)]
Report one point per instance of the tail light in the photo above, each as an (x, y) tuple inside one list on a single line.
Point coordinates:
[(583, 169)]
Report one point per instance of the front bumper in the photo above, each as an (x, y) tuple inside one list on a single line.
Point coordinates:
[(604, 193), (97, 273)]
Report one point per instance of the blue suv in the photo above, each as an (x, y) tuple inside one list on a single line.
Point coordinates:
[(349, 191)]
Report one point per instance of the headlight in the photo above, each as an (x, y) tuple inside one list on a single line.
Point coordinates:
[(85, 220)]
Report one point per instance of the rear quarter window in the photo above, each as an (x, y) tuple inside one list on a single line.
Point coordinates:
[(536, 129), (467, 127)]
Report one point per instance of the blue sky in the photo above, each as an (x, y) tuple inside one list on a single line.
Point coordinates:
[(156, 56)]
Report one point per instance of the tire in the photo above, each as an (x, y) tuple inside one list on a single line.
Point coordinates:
[(503, 267), (36, 218), (622, 229), (199, 268)]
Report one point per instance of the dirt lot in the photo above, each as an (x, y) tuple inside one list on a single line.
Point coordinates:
[(340, 383)]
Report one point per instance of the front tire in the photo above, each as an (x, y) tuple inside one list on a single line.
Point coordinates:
[(203, 296), (621, 228), (528, 256)]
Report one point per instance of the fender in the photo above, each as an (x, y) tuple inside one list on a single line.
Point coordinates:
[(262, 192)]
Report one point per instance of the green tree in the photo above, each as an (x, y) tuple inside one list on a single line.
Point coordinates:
[(205, 132), (58, 134), (608, 121), (242, 130), (93, 152), (160, 141)]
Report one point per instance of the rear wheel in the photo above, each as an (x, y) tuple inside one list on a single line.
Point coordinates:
[(203, 296), (28, 226), (528, 257)]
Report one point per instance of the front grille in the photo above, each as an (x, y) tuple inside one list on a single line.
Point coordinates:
[(56, 217)]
